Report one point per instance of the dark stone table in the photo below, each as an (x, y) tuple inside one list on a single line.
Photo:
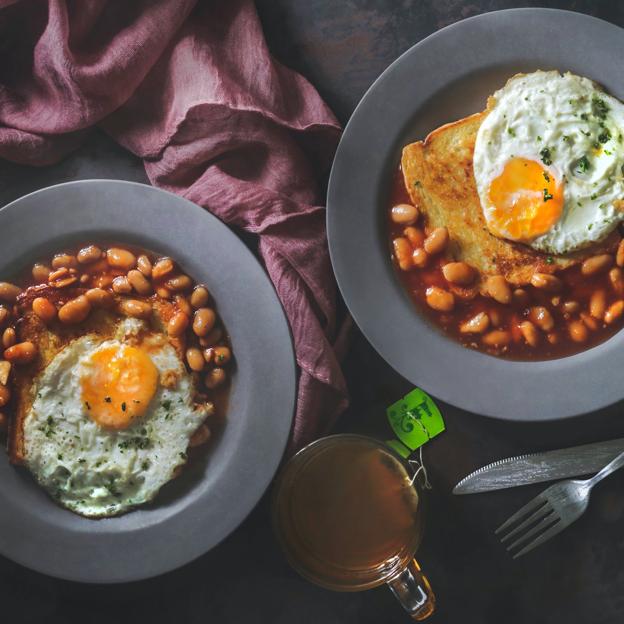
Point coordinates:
[(578, 578)]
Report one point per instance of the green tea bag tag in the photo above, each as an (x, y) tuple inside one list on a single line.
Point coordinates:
[(415, 419)]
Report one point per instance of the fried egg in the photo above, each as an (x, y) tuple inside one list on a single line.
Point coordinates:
[(549, 162), (111, 420)]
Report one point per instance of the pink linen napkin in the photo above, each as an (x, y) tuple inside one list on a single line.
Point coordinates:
[(193, 90)]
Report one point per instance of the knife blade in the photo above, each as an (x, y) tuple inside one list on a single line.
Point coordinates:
[(539, 467)]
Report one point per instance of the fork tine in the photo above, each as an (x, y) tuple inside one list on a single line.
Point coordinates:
[(532, 505), (544, 510), (544, 537), (550, 518)]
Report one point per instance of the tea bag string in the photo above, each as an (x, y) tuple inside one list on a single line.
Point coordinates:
[(418, 466)]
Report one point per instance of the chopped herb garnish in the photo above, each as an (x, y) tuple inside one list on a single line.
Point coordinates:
[(511, 131), (82, 460), (166, 404), (593, 196), (136, 442), (108, 399), (183, 455), (590, 226), (546, 156), (584, 116), (135, 401), (546, 177), (604, 136), (583, 164), (608, 153), (585, 133), (599, 107), (567, 138), (417, 183), (547, 195), (145, 464), (87, 405), (539, 138), (550, 260), (123, 406), (59, 457)]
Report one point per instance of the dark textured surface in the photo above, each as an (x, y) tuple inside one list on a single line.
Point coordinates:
[(577, 578)]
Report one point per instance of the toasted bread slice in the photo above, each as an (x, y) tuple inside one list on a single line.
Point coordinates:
[(439, 178)]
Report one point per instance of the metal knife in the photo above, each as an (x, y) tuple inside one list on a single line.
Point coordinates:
[(538, 467)]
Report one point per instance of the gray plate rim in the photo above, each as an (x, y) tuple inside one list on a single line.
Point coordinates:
[(198, 510), (369, 148)]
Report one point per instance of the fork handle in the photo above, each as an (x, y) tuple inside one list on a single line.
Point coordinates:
[(612, 466)]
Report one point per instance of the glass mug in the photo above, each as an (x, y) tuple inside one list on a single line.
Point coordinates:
[(349, 517)]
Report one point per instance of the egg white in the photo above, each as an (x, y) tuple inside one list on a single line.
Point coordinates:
[(98, 472), (559, 112)]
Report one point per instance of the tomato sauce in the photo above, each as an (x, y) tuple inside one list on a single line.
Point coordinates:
[(555, 343)]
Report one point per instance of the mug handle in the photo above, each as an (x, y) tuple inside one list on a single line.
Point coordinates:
[(413, 591)]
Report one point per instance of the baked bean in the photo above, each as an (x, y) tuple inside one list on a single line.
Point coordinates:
[(100, 298), (58, 274), (496, 318), (183, 305), (589, 321), (121, 258), (215, 378), (199, 297), (89, 254), (542, 317), (9, 292), (552, 337), (440, 299), (121, 285), (403, 253), (4, 422), (204, 321), (614, 311), (64, 282), (9, 337), (619, 256), (21, 353), (497, 287), (201, 436), (5, 371), (211, 338), (40, 272), (529, 333), (458, 273), (544, 281), (570, 307), (44, 309), (163, 267), (144, 265), (195, 359), (103, 281), (578, 331), (75, 311), (163, 293), (497, 338), (476, 325), (520, 297), (4, 315), (136, 308), (596, 264), (64, 260), (404, 213), (616, 277), (415, 236), (436, 241), (598, 303), (420, 258), (222, 355), (139, 282), (179, 283), (5, 395), (177, 324)]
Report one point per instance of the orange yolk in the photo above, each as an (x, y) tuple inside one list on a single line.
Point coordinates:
[(527, 201), (121, 383)]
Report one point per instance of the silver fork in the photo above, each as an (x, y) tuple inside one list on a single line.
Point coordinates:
[(552, 511)]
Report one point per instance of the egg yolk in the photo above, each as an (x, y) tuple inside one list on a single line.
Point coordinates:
[(120, 386), (527, 201)]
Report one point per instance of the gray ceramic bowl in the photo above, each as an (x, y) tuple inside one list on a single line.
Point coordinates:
[(445, 77), (196, 511)]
